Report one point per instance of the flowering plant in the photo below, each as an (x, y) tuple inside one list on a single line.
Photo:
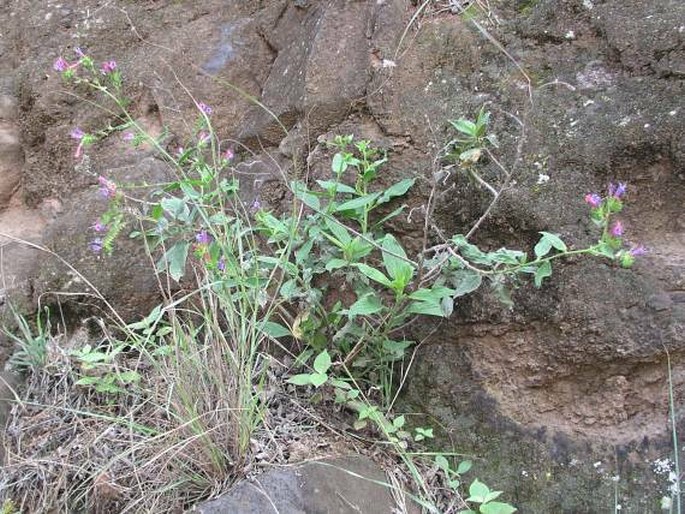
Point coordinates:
[(602, 213)]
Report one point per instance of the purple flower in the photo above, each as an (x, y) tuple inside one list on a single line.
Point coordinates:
[(77, 134), (228, 154), (617, 191), (180, 151), (203, 137), (108, 67), (60, 64), (617, 229), (78, 51), (206, 109), (637, 250), (256, 205), (98, 226), (128, 136), (593, 199), (221, 264), (203, 237), (108, 189), (95, 245)]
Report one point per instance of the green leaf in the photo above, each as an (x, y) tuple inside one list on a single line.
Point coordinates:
[(373, 274), (492, 495), (464, 466), (305, 196), (555, 241), (86, 381), (426, 308), (471, 156), (497, 508), (357, 203), (434, 294), (322, 362), (399, 269), (341, 384), (128, 377), (398, 189), (477, 492), (339, 231), (542, 248), (176, 208), (464, 126), (338, 164), (219, 219), (334, 264), (506, 256), (467, 281), (318, 379), (365, 306), (442, 463), (190, 191), (148, 321), (470, 252), (357, 249), (304, 251), (289, 289), (338, 187), (398, 422), (302, 379), (274, 329), (424, 432), (447, 306), (390, 216), (174, 260), (547, 242), (544, 271), (396, 349)]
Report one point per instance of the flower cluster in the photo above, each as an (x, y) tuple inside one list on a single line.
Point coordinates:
[(204, 108), (208, 252), (108, 189), (603, 209), (111, 222)]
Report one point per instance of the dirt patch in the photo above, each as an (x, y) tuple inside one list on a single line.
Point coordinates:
[(617, 401)]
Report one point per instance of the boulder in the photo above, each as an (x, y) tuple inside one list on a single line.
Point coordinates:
[(346, 485)]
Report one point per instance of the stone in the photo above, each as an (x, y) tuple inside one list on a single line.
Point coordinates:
[(319, 71), (126, 279), (11, 152), (345, 485)]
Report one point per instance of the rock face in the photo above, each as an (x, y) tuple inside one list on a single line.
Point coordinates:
[(598, 88), (336, 486)]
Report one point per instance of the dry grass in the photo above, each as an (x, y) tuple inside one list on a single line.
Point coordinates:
[(170, 442)]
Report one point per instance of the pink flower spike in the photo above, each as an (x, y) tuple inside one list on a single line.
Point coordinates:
[(95, 246), (128, 136), (228, 154), (637, 250), (206, 109), (77, 134), (593, 200), (60, 64), (203, 137), (617, 229), (79, 151), (108, 189), (108, 67), (98, 226)]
